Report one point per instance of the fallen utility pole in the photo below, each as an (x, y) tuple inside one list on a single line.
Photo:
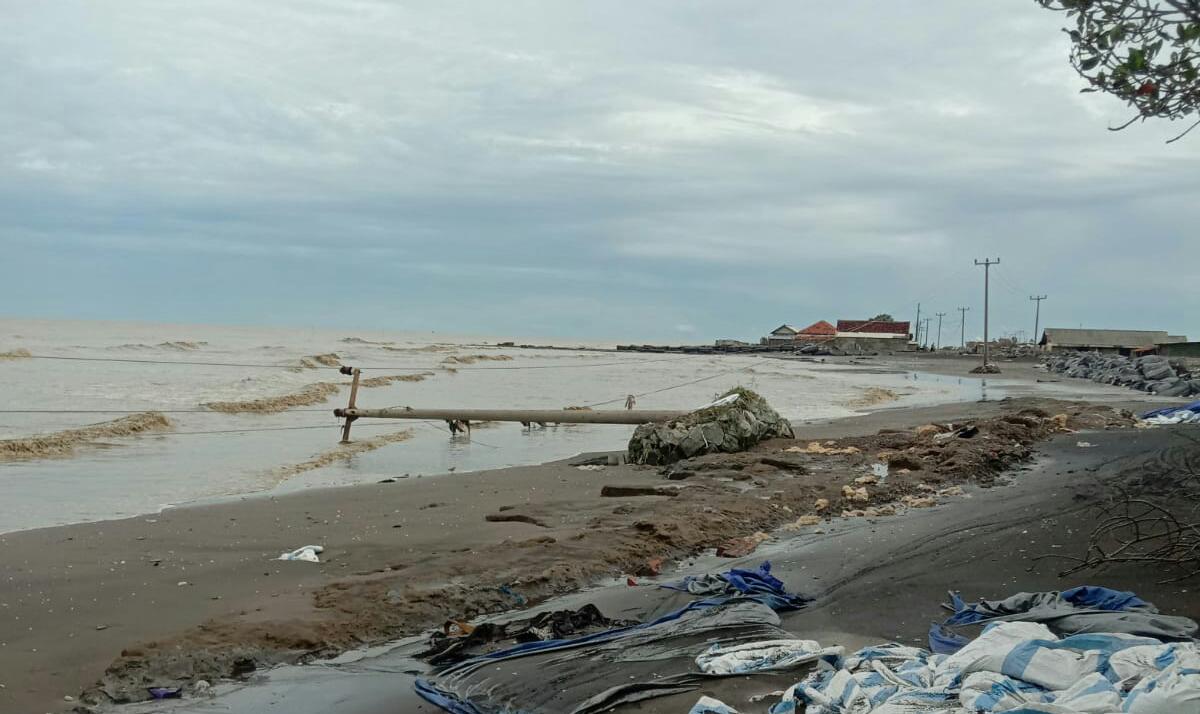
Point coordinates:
[(525, 416)]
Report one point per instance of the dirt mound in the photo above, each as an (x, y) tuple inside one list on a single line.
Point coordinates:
[(423, 348), (180, 345), (19, 353), (63, 443), (872, 396), (471, 359), (315, 393), (361, 341), (331, 359), (385, 380), (344, 452)]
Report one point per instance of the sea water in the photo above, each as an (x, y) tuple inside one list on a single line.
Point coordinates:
[(212, 454)]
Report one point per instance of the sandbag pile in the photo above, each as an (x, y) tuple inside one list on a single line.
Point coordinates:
[(735, 422), (1152, 373)]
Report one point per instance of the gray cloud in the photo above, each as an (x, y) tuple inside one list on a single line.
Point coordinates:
[(623, 169)]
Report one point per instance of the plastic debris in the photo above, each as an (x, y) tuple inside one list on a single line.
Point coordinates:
[(708, 705), (766, 656), (597, 672), (1012, 667), (1088, 608), (165, 692), (307, 554), (1189, 414)]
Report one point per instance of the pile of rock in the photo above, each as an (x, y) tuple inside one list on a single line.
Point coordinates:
[(1152, 373), (737, 421)]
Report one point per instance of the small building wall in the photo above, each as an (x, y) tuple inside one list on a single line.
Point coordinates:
[(860, 343)]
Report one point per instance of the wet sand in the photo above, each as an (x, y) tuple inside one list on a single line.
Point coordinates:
[(873, 580), (204, 579)]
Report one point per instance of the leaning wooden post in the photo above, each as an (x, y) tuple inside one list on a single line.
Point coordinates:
[(353, 396)]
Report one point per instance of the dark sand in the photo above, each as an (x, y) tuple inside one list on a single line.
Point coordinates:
[(75, 597), (873, 579)]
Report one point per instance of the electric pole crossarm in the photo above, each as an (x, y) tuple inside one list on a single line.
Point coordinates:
[(1037, 319)]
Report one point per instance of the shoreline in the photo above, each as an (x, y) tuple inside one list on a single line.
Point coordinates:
[(87, 593), (845, 366)]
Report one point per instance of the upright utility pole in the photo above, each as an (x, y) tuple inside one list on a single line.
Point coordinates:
[(917, 333), (963, 338), (987, 264), (1037, 319), (940, 315), (927, 321)]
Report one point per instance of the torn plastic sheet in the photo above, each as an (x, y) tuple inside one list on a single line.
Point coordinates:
[(1012, 667), (1188, 414), (446, 648), (597, 672), (765, 656), (1087, 608), (708, 705), (757, 583)]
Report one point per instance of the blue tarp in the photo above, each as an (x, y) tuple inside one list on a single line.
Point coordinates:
[(1079, 609), (1194, 407), (758, 584), (743, 609)]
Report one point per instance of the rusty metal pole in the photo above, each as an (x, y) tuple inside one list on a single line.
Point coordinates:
[(350, 406)]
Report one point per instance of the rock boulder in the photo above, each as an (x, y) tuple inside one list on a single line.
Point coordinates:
[(735, 422)]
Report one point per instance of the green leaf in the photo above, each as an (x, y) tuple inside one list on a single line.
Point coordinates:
[(1137, 60), (1089, 63)]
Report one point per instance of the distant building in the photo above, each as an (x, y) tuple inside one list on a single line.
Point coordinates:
[(1125, 342), (782, 336), (820, 331), (874, 327)]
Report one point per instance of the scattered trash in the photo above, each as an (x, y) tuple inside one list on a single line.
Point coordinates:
[(741, 547), (857, 495), (967, 432), (517, 597), (591, 467), (306, 553), (816, 447), (458, 640), (202, 688), (1084, 444), (803, 522), (880, 471), (708, 705), (165, 692)]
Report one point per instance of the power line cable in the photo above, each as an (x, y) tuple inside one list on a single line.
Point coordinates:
[(401, 368)]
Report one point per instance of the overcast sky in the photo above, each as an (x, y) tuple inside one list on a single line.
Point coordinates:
[(620, 169)]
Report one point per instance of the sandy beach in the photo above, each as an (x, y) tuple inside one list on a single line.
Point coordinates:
[(105, 609)]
